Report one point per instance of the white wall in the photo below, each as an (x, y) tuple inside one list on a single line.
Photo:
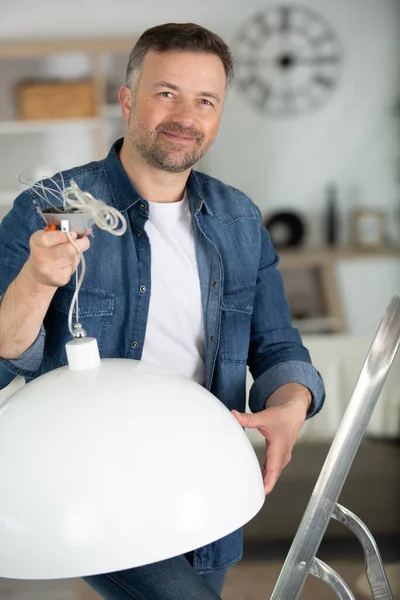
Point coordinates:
[(352, 140), (349, 141)]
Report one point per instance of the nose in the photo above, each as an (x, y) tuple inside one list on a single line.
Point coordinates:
[(184, 113)]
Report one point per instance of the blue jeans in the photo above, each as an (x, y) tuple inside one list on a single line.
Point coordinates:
[(172, 579)]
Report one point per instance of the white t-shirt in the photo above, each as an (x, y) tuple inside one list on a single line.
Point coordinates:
[(175, 332)]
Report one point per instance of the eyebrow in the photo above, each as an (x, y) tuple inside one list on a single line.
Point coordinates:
[(172, 86)]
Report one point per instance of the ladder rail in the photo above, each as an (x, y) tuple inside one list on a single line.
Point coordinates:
[(340, 456)]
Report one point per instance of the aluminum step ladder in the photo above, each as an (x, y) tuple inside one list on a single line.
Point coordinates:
[(323, 506)]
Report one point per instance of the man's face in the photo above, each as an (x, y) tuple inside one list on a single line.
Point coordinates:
[(174, 116)]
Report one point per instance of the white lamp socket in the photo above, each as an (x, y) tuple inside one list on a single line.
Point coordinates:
[(82, 354)]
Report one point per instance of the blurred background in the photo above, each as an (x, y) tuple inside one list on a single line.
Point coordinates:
[(311, 132)]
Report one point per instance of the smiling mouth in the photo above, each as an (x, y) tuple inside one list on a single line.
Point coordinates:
[(178, 137)]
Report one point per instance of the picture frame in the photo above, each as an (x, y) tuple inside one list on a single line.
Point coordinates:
[(312, 291), (369, 228)]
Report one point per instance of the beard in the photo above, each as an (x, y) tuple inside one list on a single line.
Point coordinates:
[(162, 152)]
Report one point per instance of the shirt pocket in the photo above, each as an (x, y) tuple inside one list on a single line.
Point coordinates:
[(237, 309), (96, 308)]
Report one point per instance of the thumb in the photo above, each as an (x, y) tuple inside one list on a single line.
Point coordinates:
[(249, 420)]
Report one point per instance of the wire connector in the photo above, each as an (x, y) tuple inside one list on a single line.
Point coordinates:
[(64, 225), (78, 331)]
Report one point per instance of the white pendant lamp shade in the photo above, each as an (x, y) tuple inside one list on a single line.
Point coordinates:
[(117, 466)]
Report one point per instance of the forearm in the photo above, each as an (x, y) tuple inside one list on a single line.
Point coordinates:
[(290, 393), (293, 372), (22, 311)]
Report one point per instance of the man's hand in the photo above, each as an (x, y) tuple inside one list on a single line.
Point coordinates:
[(53, 259), (280, 424)]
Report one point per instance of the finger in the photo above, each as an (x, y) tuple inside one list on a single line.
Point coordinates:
[(48, 239), (70, 263), (270, 479), (249, 420), (56, 253), (68, 250), (83, 243), (274, 463), (264, 469), (52, 269), (67, 271)]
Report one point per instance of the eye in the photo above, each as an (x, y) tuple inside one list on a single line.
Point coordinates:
[(206, 102), (166, 94)]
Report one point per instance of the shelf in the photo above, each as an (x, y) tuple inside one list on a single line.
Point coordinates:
[(28, 141), (307, 257), (15, 127), (23, 48)]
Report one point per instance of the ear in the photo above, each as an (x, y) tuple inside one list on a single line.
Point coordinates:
[(125, 100)]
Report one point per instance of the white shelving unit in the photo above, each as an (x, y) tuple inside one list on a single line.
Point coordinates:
[(63, 143), (15, 127), (323, 264)]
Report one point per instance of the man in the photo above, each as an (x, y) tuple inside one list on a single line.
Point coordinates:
[(192, 285)]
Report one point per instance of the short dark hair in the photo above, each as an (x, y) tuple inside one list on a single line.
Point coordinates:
[(178, 36)]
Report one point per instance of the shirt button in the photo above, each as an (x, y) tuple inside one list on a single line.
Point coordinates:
[(140, 233), (198, 204), (143, 288), (214, 284), (134, 345), (143, 206), (212, 338)]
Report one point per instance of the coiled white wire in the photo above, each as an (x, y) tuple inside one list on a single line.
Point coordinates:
[(104, 216)]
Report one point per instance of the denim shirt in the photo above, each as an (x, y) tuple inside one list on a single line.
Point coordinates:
[(246, 316)]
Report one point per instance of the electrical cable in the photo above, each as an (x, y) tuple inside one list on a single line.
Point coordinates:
[(79, 280), (104, 216)]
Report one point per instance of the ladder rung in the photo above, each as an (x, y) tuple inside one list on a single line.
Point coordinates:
[(329, 576), (376, 575)]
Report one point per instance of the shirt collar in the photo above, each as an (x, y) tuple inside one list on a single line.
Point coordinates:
[(124, 194)]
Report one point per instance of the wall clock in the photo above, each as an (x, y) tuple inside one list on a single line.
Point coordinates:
[(288, 60)]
